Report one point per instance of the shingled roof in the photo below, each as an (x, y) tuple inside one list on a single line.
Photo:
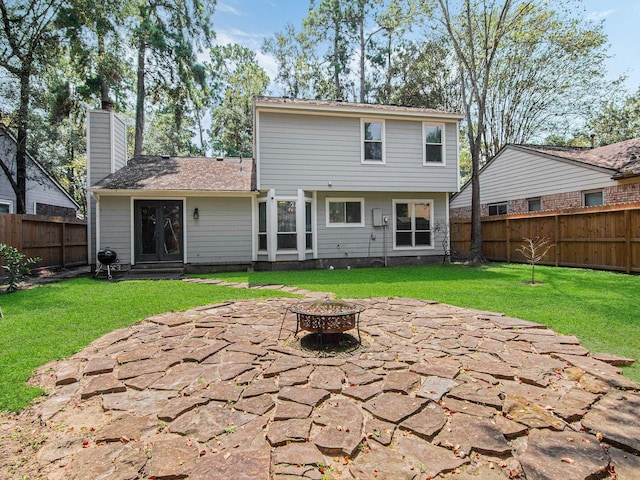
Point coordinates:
[(183, 173), (622, 158)]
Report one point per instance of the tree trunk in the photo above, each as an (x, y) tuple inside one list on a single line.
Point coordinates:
[(21, 153), (105, 100), (363, 47), (476, 256), (142, 50), (336, 61)]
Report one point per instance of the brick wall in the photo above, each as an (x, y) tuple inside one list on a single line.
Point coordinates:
[(621, 193)]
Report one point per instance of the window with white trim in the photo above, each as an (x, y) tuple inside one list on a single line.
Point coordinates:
[(593, 198), (287, 236), (262, 225), (373, 141), (534, 204), (433, 139), (345, 212), (498, 208), (412, 224), (6, 206)]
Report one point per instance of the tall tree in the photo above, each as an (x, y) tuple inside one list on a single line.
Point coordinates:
[(616, 121), (239, 79), (26, 42), (294, 56), (477, 31), (167, 36), (549, 74)]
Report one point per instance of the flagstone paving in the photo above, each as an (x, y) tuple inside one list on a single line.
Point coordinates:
[(226, 391)]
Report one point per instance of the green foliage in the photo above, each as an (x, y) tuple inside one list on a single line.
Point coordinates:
[(597, 307), (54, 321), (617, 120), (238, 79), (16, 265)]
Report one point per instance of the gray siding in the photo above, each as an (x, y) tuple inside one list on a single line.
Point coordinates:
[(515, 174), (357, 242), (106, 153), (40, 186), (223, 232), (115, 226), (309, 151)]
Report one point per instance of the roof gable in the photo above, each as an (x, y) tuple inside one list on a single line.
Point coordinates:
[(157, 173)]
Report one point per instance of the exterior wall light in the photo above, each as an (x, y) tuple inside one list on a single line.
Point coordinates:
[(196, 214)]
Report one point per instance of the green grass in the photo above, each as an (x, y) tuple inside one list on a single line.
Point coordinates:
[(55, 321), (600, 308)]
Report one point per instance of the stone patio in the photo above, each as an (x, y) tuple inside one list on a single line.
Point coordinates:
[(226, 392)]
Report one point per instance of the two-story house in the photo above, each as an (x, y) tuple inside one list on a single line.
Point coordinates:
[(332, 184)]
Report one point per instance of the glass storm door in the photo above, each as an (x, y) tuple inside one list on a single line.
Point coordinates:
[(158, 225)]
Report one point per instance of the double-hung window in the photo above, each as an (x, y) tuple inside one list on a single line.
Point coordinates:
[(412, 224), (287, 236), (345, 212), (433, 136), (373, 141)]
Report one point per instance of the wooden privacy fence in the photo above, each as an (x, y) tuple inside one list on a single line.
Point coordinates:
[(604, 237), (60, 242)]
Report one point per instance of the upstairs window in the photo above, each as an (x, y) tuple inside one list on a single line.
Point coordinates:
[(433, 134), (591, 199), (498, 208), (534, 204), (345, 212), (373, 141)]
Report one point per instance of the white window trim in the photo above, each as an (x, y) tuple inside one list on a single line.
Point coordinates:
[(384, 143), (413, 224), (258, 232), (329, 200), (9, 203), (424, 145), (586, 192), (531, 200)]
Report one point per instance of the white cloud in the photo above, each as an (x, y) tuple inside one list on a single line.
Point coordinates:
[(601, 15), (223, 7), (234, 35)]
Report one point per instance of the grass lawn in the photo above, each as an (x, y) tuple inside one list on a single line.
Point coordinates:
[(55, 321), (600, 308)]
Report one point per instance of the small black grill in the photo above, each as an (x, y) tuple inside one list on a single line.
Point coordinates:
[(107, 257)]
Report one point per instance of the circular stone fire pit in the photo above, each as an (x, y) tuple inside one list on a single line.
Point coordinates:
[(327, 316)]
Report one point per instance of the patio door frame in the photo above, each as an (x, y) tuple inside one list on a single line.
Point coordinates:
[(155, 249)]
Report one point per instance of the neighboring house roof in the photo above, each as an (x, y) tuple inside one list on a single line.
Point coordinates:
[(164, 173), (623, 158), (620, 160), (359, 108), (6, 132)]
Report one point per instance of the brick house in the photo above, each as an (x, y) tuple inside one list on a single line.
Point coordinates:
[(533, 178)]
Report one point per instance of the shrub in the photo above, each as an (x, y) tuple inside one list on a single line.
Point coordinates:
[(16, 265)]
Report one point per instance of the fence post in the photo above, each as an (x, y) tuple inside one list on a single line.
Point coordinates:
[(507, 232), (627, 240), (64, 243), (556, 239)]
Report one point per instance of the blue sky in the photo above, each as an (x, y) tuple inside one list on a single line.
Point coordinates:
[(248, 22)]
